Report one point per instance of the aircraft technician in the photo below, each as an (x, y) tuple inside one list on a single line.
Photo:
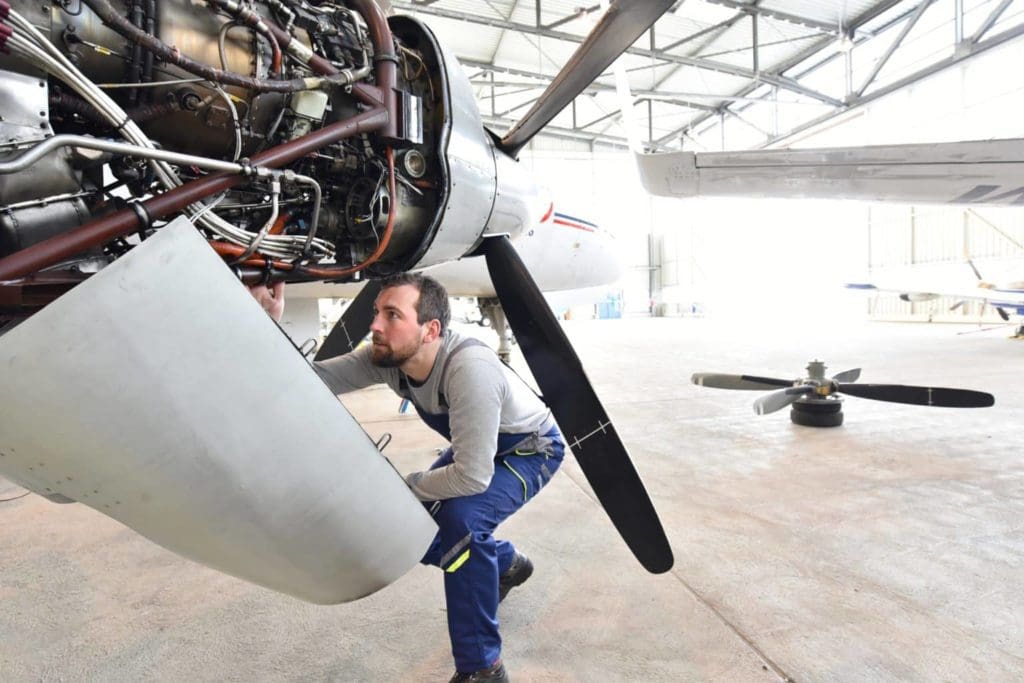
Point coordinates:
[(505, 447)]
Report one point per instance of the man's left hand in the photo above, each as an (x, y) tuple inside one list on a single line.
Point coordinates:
[(270, 298)]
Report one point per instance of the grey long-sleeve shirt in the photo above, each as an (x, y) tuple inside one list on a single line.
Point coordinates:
[(484, 398)]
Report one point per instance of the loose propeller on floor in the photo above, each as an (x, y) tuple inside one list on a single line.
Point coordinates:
[(817, 395)]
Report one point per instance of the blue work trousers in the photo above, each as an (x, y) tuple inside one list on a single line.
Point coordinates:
[(472, 559)]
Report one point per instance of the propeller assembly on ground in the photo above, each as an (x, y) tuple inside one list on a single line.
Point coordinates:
[(815, 401)]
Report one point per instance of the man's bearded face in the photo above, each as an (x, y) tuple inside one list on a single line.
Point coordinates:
[(397, 332)]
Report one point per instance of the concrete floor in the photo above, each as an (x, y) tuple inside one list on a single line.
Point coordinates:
[(890, 548)]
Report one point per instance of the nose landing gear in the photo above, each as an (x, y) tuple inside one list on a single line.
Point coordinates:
[(491, 310)]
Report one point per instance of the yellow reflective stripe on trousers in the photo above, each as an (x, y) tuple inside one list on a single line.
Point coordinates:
[(459, 562), (526, 493)]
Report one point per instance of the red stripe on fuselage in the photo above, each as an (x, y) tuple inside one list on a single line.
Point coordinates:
[(570, 224), (551, 210)]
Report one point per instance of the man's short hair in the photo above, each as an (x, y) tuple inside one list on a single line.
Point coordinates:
[(433, 301)]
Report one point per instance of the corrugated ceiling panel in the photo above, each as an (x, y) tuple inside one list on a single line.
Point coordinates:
[(555, 10), (533, 53), (778, 42), (472, 41), (704, 13), (693, 80), (492, 8), (827, 11)]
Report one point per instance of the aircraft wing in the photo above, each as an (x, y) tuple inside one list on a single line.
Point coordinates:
[(980, 172), (1007, 298), (160, 394)]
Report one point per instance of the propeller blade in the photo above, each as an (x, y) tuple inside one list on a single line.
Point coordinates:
[(581, 417), (920, 396), (777, 400), (847, 375), (353, 324), (745, 382), (1003, 314), (621, 25)]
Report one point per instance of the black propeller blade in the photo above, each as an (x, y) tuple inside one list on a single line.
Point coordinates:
[(588, 431), (920, 396), (621, 25), (718, 380), (353, 324)]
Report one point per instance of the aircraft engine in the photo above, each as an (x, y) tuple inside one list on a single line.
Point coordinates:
[(307, 140)]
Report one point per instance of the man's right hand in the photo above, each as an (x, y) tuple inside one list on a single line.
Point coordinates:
[(270, 298)]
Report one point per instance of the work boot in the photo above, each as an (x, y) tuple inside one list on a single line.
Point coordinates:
[(495, 674), (519, 571)]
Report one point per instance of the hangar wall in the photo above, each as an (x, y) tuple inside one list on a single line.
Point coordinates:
[(922, 245)]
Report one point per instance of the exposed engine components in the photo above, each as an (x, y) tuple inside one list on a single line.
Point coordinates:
[(367, 208), (308, 107), (323, 92), (414, 163)]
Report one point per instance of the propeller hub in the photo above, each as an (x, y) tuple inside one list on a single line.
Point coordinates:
[(816, 370)]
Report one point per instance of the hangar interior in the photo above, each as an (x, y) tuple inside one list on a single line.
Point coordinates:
[(722, 75), (888, 549)]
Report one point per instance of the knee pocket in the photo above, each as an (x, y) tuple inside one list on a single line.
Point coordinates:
[(531, 472)]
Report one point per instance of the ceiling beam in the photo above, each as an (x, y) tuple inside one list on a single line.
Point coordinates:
[(795, 19), (807, 53), (498, 123), (481, 81), (580, 12), (721, 67), (907, 27), (956, 58), (989, 21), (716, 29)]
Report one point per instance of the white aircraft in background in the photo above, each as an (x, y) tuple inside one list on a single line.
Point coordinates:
[(1007, 299)]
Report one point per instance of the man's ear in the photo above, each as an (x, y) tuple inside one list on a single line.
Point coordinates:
[(433, 331)]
